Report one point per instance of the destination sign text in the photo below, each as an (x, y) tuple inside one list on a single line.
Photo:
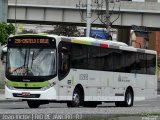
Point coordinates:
[(31, 41)]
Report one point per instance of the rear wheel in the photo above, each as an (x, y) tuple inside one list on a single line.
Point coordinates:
[(129, 98), (76, 99), (33, 103)]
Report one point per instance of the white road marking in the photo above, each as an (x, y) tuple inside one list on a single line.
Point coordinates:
[(142, 105)]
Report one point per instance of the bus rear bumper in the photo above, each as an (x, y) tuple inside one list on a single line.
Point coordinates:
[(49, 94)]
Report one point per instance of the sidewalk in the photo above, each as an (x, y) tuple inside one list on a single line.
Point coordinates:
[(2, 98)]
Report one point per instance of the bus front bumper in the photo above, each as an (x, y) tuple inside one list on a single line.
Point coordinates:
[(49, 94)]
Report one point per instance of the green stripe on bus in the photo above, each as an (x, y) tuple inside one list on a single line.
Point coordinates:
[(81, 41), (87, 42), (27, 84), (40, 34)]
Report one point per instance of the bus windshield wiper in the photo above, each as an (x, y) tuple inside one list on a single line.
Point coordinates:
[(27, 60), (25, 57), (32, 59)]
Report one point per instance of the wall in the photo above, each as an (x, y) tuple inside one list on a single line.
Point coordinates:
[(154, 42), (137, 42)]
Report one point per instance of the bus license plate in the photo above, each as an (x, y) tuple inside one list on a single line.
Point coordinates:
[(26, 94)]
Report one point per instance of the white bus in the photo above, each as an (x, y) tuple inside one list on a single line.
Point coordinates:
[(79, 71)]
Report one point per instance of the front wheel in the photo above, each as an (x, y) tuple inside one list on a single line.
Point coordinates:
[(33, 103), (76, 99)]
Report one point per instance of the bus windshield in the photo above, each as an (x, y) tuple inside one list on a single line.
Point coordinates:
[(31, 61)]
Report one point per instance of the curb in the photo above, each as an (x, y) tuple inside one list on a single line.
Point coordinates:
[(7, 100)]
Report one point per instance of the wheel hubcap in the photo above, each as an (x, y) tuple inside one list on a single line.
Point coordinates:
[(129, 99), (76, 99)]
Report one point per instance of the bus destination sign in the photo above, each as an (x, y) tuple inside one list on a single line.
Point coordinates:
[(32, 41)]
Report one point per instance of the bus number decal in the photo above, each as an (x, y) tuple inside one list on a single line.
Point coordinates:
[(83, 76)]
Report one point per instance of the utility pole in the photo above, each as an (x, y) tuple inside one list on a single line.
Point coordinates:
[(89, 6), (16, 15), (107, 10), (107, 15)]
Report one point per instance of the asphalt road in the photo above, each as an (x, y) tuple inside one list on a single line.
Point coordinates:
[(142, 110)]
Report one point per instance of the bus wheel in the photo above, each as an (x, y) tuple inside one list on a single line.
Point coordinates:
[(33, 103), (76, 99), (129, 98)]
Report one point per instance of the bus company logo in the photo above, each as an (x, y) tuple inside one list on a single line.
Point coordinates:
[(119, 78), (26, 85), (25, 80)]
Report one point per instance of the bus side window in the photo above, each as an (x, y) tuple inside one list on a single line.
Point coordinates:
[(64, 61)]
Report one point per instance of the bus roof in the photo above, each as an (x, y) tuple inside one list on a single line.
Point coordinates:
[(106, 44), (94, 42)]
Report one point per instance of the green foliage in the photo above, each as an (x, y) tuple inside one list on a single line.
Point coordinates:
[(5, 31), (2, 83), (65, 30)]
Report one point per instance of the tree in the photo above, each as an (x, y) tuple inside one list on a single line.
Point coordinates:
[(5, 31), (65, 30)]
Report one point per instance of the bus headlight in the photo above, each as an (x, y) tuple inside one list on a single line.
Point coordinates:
[(48, 86), (10, 87)]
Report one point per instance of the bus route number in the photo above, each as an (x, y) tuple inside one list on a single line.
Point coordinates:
[(83, 76)]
